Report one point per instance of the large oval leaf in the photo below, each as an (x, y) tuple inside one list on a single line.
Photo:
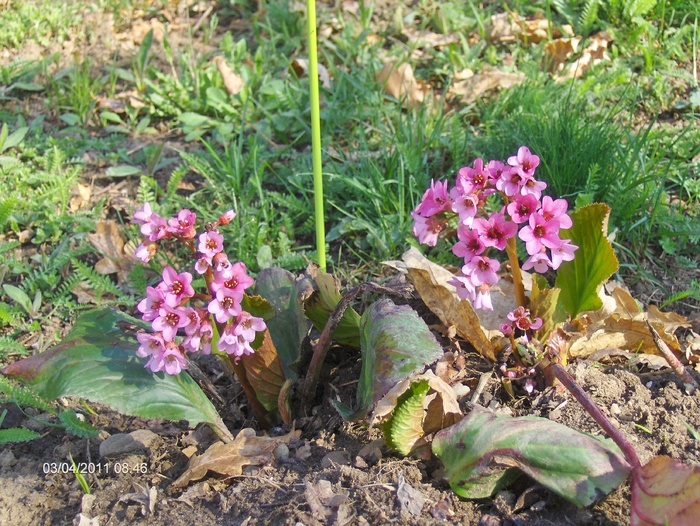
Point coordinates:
[(594, 261), (396, 343), (480, 451), (289, 326), (98, 361)]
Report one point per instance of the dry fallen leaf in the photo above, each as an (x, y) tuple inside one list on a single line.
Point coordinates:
[(246, 449), (301, 69), (232, 81), (108, 242), (82, 194), (505, 27), (471, 89), (431, 283), (411, 501), (594, 53), (326, 505), (558, 51), (400, 82)]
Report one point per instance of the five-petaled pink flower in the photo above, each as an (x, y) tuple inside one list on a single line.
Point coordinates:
[(436, 199), (482, 270), (540, 232), (183, 224), (495, 231), (176, 287), (226, 304), (210, 244), (524, 162), (427, 229), (469, 244)]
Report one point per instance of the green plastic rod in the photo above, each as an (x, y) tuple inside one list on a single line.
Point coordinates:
[(316, 136)]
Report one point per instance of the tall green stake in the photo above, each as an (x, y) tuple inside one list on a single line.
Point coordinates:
[(316, 135)]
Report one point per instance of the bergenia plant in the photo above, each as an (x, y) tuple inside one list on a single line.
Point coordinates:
[(525, 213), (522, 212), (183, 321)]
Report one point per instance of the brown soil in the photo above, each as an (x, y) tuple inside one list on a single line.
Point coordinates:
[(651, 409)]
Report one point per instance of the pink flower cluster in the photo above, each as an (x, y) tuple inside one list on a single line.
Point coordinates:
[(179, 328), (536, 220)]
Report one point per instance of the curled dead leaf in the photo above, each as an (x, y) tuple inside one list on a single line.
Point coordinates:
[(109, 243), (595, 53), (472, 88), (300, 66), (246, 449), (558, 51), (232, 81), (400, 82)]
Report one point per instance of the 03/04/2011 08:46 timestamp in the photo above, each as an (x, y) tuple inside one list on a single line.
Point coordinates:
[(94, 467)]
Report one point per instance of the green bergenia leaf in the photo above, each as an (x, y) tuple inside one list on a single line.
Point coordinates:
[(320, 305), (594, 261), (480, 451), (98, 361), (396, 343), (288, 325), (405, 427)]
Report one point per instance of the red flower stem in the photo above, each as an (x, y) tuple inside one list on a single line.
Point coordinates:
[(512, 251), (590, 406)]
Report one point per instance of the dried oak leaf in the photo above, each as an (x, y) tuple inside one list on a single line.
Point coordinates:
[(246, 449), (400, 82), (300, 66), (233, 82), (117, 257), (469, 90), (665, 491)]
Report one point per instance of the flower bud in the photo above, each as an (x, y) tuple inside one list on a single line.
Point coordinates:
[(227, 217)]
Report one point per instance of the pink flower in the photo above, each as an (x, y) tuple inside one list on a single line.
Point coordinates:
[(533, 187), (247, 326), (483, 297), (465, 204), (495, 231), (143, 215), (151, 343), (145, 251), (510, 182), (464, 286), (564, 252), (183, 224), (151, 304), (506, 329), (472, 179), (234, 344), (211, 243), (170, 360), (226, 304), (202, 265), (156, 228), (540, 232), (495, 170), (482, 270), (427, 229), (435, 200), (176, 287), (522, 319), (199, 333), (235, 279), (221, 264), (539, 261), (555, 209), (169, 320), (524, 162), (227, 217), (522, 207), (469, 244)]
